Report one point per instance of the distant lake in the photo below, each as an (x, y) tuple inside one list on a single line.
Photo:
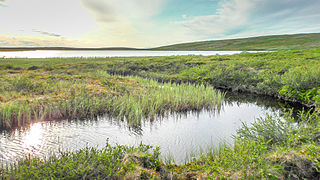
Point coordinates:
[(109, 53)]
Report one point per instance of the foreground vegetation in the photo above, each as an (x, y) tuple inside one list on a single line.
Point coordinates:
[(270, 43), (272, 148)]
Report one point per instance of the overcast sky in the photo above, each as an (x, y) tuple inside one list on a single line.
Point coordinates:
[(149, 23)]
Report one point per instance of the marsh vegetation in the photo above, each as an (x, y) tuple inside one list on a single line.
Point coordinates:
[(27, 97), (137, 89)]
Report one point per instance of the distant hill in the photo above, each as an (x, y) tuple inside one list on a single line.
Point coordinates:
[(276, 42)]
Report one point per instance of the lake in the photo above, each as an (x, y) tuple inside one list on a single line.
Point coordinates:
[(109, 53), (178, 135)]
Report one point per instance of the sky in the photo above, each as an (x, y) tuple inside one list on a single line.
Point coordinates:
[(149, 23)]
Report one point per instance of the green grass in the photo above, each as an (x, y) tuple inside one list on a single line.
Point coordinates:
[(276, 42), (28, 96), (110, 162), (291, 75)]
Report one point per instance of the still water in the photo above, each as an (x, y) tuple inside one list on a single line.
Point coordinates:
[(108, 53), (177, 135)]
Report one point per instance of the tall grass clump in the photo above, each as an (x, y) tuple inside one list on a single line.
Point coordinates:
[(159, 99), (130, 98), (284, 131)]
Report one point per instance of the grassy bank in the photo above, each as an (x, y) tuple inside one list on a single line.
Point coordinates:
[(269, 149), (32, 94), (290, 75), (273, 43)]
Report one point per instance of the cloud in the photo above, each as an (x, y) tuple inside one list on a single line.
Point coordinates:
[(232, 15), (123, 10), (261, 16), (29, 43), (4, 43), (36, 42), (124, 22), (47, 33), (2, 3), (102, 10), (67, 18)]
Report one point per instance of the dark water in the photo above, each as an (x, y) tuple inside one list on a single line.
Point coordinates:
[(177, 135)]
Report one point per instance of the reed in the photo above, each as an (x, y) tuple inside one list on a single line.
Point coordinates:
[(131, 98)]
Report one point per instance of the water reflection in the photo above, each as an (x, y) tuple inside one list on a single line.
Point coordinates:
[(31, 142), (177, 135), (266, 102)]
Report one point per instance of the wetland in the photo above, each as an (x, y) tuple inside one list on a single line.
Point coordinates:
[(98, 110)]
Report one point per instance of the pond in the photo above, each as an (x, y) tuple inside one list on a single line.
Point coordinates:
[(108, 53), (178, 135)]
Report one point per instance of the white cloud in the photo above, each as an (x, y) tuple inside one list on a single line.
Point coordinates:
[(124, 22), (67, 18), (123, 10), (236, 17), (32, 41), (232, 14)]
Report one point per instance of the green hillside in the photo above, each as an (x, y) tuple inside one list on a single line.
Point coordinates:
[(276, 42)]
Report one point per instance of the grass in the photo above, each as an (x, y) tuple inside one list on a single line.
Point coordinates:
[(273, 43), (271, 148), (111, 162), (28, 96)]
